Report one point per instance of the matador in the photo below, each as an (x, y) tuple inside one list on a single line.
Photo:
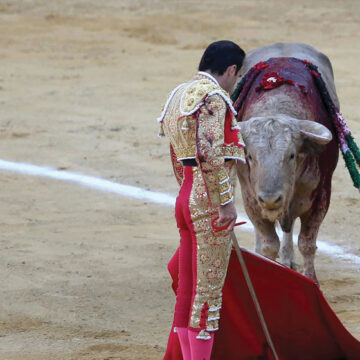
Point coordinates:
[(199, 120)]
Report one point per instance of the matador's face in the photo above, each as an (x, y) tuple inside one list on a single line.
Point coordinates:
[(230, 77)]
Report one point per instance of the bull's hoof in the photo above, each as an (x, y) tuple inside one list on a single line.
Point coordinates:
[(270, 252), (290, 264), (311, 275)]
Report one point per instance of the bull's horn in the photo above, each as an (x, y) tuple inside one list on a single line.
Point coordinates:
[(241, 125), (315, 132), (245, 125)]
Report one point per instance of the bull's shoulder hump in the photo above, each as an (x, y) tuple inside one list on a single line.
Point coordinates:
[(282, 49), (297, 50)]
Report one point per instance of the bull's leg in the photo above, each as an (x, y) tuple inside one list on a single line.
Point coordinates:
[(266, 240), (287, 257), (310, 224), (307, 247), (257, 242)]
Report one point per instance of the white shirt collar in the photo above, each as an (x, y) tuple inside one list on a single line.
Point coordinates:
[(209, 76)]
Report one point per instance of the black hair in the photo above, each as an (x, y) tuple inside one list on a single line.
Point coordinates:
[(219, 55)]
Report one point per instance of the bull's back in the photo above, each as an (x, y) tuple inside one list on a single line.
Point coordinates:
[(296, 50)]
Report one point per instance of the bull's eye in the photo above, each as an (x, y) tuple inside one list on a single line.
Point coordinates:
[(249, 157), (292, 156)]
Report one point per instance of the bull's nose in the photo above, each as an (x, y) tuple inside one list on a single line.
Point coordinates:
[(270, 201)]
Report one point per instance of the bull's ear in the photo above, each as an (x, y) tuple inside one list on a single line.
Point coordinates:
[(244, 127), (315, 132), (241, 125)]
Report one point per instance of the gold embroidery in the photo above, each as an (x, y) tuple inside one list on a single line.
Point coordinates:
[(232, 152), (213, 249), (181, 130), (203, 335), (226, 198), (212, 325), (194, 95), (224, 187)]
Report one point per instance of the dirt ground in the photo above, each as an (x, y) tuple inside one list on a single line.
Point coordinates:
[(83, 273)]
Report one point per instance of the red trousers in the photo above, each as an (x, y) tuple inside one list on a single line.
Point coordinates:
[(203, 254), (187, 262)]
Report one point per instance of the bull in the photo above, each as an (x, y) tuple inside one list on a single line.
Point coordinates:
[(291, 150)]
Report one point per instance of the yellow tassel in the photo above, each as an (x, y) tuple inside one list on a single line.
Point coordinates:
[(185, 125), (161, 131), (203, 335)]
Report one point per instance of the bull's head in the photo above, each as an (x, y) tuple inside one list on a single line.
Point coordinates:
[(276, 147)]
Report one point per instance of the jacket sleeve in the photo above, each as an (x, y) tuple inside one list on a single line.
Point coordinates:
[(209, 143)]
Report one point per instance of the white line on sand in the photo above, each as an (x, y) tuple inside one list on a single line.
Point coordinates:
[(139, 193)]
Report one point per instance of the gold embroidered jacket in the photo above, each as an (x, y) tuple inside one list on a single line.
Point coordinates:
[(198, 118)]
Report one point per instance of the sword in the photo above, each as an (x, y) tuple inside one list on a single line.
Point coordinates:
[(253, 294)]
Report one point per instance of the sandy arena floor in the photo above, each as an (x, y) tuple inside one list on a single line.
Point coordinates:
[(83, 273)]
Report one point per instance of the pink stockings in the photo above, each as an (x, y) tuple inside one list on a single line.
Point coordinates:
[(193, 348), (184, 343)]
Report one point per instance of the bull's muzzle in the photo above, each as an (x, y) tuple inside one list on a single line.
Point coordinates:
[(270, 201)]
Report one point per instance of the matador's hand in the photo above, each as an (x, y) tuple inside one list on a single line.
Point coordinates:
[(227, 215)]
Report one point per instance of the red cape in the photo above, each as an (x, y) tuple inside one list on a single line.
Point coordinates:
[(300, 321)]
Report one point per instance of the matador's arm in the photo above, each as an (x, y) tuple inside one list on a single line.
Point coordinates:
[(209, 142)]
